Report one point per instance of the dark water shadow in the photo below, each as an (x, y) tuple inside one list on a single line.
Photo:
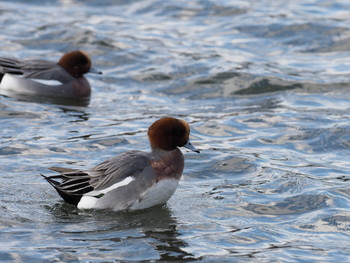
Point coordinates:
[(83, 102), (265, 86), (292, 205), (79, 113), (156, 224)]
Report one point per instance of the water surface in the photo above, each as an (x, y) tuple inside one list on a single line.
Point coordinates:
[(265, 88)]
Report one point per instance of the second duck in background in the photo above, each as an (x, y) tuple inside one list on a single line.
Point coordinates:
[(62, 79)]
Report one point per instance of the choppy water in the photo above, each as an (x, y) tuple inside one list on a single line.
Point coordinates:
[(264, 85)]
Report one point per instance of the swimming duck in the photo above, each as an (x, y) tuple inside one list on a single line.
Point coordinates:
[(133, 180), (64, 79)]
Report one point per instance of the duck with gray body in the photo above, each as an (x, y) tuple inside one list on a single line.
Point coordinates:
[(45, 78), (132, 180)]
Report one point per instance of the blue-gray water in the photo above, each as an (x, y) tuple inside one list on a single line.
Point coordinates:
[(265, 87)]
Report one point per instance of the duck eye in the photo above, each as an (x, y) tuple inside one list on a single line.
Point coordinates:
[(83, 60)]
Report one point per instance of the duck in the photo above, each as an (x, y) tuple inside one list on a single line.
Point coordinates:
[(133, 180), (35, 77)]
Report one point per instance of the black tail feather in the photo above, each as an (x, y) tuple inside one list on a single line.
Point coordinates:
[(71, 188)]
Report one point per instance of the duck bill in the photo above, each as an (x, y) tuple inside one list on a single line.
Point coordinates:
[(189, 146), (95, 71)]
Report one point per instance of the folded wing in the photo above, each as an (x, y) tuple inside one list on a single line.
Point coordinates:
[(73, 184)]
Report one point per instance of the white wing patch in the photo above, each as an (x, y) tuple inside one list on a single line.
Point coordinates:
[(48, 82), (126, 181), (89, 200)]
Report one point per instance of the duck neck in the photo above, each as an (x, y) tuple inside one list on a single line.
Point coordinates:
[(167, 164), (159, 153)]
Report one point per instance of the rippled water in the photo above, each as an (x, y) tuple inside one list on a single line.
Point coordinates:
[(264, 85)]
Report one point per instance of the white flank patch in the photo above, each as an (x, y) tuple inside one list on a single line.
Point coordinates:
[(48, 82), (89, 200), (10, 82), (158, 194)]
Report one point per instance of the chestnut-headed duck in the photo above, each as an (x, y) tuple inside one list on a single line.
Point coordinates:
[(133, 180), (35, 77)]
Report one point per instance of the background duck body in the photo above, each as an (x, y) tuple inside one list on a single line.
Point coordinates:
[(45, 78), (12, 85)]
